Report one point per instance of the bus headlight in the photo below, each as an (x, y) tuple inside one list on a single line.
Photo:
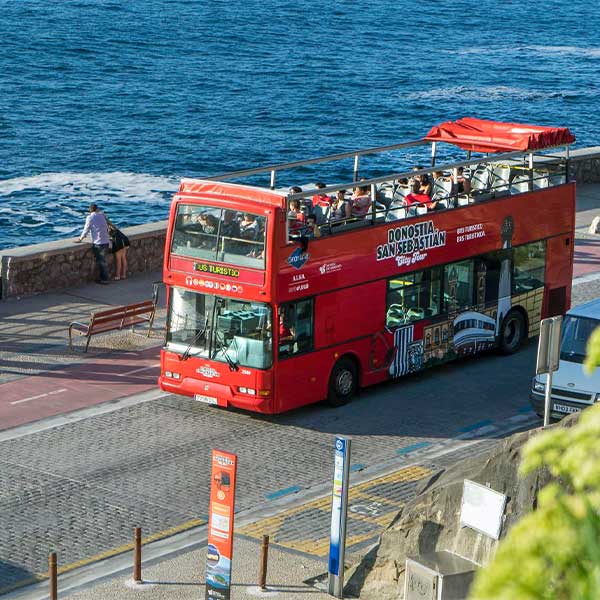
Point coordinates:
[(245, 390), (538, 386), (172, 375)]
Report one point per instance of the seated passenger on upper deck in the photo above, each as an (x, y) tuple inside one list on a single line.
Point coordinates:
[(361, 202), (416, 198), (249, 227), (229, 226), (462, 185), (426, 185), (322, 200), (312, 230), (341, 208), (321, 204), (210, 225), (305, 203), (295, 216)]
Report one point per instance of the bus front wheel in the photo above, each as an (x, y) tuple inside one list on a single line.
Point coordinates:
[(513, 332), (343, 382)]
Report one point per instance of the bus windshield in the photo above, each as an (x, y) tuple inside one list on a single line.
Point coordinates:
[(229, 330), (220, 235), (575, 334)]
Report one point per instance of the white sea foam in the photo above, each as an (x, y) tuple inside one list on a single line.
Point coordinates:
[(490, 93), (514, 50), (567, 50), (67, 230), (92, 186)]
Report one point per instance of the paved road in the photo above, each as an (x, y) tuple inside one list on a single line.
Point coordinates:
[(81, 487)]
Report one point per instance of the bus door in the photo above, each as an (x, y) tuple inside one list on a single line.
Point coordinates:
[(297, 380)]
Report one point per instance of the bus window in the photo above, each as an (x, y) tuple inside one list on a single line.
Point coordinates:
[(487, 278), (412, 297), (242, 333), (529, 262), (187, 323), (219, 235), (458, 285), (225, 329), (296, 327)]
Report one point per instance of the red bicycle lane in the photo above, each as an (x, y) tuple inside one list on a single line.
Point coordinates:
[(81, 385)]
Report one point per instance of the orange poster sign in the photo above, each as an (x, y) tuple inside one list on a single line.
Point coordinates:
[(220, 525)]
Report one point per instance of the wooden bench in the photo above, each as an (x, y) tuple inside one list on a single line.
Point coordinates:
[(114, 319)]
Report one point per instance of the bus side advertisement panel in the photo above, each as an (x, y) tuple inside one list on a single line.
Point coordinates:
[(220, 526), (380, 251)]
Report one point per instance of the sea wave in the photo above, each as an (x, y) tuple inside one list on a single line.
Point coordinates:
[(577, 51), (492, 93), (567, 50), (93, 186)]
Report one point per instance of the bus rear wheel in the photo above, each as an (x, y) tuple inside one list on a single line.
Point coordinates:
[(513, 332), (343, 382)]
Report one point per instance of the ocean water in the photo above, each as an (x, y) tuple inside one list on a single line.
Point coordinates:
[(115, 101)]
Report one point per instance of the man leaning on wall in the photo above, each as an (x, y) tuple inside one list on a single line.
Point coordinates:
[(97, 226)]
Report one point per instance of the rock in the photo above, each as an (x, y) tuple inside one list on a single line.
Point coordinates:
[(430, 522)]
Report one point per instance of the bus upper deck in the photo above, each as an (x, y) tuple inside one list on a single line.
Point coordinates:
[(315, 210)]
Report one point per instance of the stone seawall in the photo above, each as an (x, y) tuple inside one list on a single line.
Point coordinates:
[(61, 264), (584, 166)]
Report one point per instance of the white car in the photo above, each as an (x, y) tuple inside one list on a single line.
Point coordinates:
[(572, 388)]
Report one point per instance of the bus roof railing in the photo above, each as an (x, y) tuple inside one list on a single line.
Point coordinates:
[(313, 161), (356, 154), (441, 167)]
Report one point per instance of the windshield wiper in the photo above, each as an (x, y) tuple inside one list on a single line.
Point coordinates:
[(232, 364), (188, 350)]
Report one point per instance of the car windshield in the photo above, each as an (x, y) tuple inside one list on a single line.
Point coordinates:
[(575, 334), (229, 330), (225, 236)]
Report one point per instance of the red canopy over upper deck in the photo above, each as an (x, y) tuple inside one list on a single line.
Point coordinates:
[(479, 135)]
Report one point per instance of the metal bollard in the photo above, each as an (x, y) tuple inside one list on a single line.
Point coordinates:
[(53, 575), (137, 555), (264, 557)]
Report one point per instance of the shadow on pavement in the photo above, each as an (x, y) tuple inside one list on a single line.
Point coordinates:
[(13, 576)]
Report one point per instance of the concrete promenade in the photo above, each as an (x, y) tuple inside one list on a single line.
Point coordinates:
[(41, 379)]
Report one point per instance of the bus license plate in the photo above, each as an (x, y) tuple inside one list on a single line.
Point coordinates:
[(205, 399), (562, 408)]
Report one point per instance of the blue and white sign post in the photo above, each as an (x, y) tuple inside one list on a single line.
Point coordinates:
[(339, 511)]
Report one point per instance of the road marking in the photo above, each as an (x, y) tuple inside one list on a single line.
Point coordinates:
[(477, 425), (290, 490), (138, 370), (79, 415), (52, 393), (412, 447)]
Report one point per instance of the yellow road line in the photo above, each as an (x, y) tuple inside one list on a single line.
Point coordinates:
[(320, 546)]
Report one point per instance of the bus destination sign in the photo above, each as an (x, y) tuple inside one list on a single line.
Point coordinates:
[(216, 269)]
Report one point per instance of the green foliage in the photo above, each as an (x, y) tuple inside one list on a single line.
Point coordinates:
[(593, 352), (553, 552)]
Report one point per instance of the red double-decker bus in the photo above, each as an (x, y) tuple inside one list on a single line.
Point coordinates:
[(281, 298)]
